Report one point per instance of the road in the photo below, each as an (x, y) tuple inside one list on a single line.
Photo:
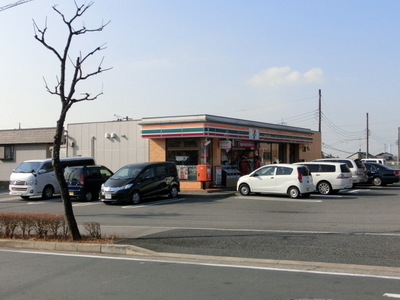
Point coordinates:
[(360, 227), (72, 276)]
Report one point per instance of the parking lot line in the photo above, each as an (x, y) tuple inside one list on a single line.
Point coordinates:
[(9, 199), (154, 203), (277, 199), (86, 203)]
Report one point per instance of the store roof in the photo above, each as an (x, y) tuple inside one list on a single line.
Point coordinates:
[(221, 120)]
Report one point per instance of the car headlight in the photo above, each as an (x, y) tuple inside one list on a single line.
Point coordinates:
[(126, 187)]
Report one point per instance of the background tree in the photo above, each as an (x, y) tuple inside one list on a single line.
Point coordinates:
[(65, 90)]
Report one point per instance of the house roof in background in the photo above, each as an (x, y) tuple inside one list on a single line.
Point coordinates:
[(27, 136)]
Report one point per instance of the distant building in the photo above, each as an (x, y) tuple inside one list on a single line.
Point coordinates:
[(18, 145), (360, 155), (386, 155), (192, 140)]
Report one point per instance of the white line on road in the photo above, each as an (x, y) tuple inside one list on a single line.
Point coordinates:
[(209, 264), (154, 203), (397, 296)]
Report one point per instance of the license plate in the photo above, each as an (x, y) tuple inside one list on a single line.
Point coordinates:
[(108, 196), (307, 189)]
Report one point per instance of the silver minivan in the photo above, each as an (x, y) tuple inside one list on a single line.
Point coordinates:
[(357, 168)]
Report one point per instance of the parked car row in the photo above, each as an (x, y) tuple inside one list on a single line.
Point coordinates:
[(87, 181), (325, 176), (131, 183)]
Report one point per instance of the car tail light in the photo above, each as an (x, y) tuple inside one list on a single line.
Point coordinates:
[(82, 181), (396, 172), (299, 175)]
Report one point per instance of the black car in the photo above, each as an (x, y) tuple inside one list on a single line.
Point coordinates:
[(379, 174), (84, 182), (134, 182)]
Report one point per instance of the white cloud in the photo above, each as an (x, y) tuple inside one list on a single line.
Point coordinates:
[(280, 76)]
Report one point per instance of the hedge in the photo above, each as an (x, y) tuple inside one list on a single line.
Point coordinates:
[(44, 225)]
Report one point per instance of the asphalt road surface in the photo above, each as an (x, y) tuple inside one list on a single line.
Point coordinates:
[(360, 227), (44, 276)]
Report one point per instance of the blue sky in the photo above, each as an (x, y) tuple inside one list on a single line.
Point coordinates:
[(255, 60)]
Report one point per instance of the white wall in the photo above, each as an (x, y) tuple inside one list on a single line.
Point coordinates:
[(127, 147)]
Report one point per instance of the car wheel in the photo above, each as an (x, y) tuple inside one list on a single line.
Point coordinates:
[(173, 192), (324, 188), (293, 192), (377, 181), (48, 192), (244, 189), (89, 196), (136, 197)]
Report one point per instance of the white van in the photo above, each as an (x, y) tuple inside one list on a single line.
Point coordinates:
[(37, 177), (375, 160)]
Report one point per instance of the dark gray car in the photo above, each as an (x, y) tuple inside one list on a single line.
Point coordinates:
[(134, 182), (84, 182)]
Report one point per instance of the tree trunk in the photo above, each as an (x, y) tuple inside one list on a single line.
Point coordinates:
[(59, 171)]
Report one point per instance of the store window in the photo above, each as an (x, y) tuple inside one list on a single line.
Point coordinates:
[(187, 153)]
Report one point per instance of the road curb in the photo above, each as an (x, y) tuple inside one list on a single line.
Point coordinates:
[(75, 247), (282, 265)]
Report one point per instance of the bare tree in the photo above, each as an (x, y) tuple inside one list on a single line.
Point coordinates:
[(13, 4), (66, 92)]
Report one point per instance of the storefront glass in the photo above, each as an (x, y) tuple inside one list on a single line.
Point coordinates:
[(187, 153)]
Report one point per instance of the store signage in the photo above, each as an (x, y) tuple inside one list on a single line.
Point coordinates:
[(225, 145), (254, 134)]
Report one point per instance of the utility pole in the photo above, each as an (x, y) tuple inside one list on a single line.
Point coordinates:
[(319, 112), (367, 153), (398, 146)]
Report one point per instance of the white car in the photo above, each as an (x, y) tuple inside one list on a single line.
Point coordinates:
[(293, 180), (329, 177), (357, 168)]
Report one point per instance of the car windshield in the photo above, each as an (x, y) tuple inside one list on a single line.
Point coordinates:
[(127, 172), (27, 167)]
